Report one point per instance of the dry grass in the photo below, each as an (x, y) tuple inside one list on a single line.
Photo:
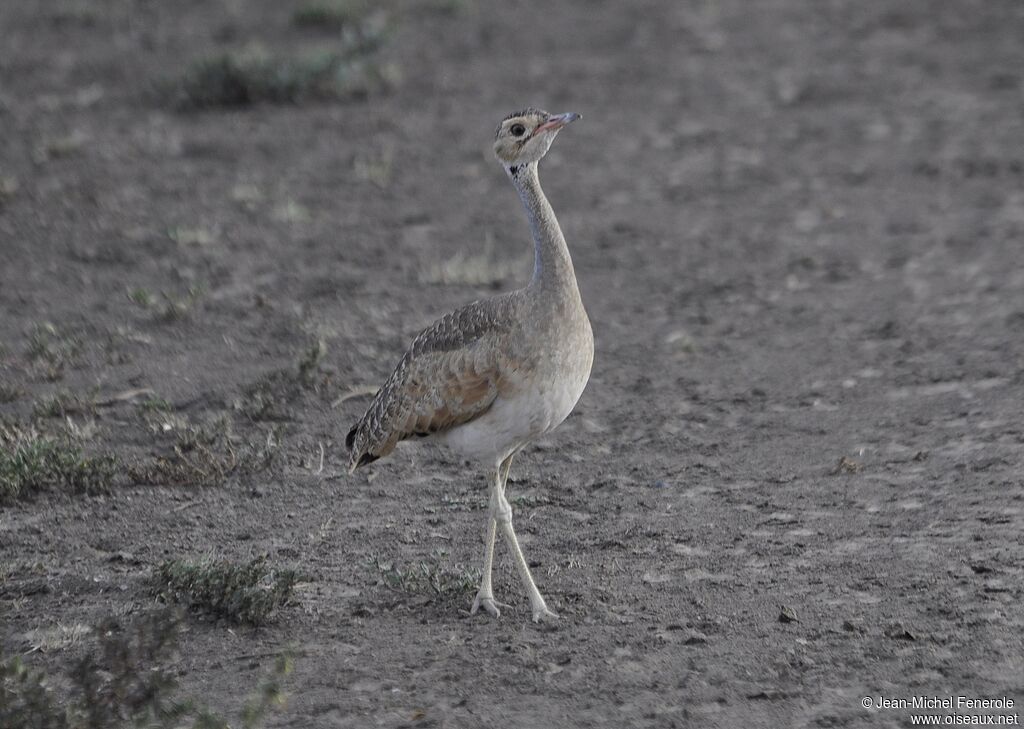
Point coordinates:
[(473, 269), (64, 403), (52, 349), (57, 637), (167, 307), (203, 455), (270, 397)]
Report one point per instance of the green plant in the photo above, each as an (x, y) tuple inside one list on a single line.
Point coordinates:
[(30, 462), (155, 404), (350, 70), (330, 14), (436, 575), (241, 592), (140, 296), (124, 680)]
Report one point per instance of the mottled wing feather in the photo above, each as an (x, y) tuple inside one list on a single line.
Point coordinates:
[(450, 375)]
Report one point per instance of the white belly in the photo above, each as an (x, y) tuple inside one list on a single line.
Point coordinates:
[(512, 422)]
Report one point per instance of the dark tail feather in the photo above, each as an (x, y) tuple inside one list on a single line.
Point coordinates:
[(350, 439)]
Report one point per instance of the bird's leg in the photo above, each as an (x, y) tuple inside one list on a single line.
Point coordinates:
[(485, 595), (502, 511)]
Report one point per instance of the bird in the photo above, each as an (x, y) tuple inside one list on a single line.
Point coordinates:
[(495, 375)]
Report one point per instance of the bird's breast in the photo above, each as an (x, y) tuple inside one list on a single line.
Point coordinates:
[(534, 399)]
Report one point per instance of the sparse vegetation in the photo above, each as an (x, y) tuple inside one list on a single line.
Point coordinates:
[(167, 307), (156, 405), (253, 77), (176, 308), (124, 680), (293, 212), (64, 403), (53, 349), (453, 7), (375, 166), (331, 15), (846, 465), (8, 187), (31, 462), (140, 296), (436, 576), (269, 397), (9, 393), (309, 363), (57, 147), (246, 593), (57, 637), (184, 236), (473, 269), (463, 502), (205, 456)]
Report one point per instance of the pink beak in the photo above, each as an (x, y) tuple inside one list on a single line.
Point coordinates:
[(556, 122)]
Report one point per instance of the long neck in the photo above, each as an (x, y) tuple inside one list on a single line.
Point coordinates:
[(552, 266)]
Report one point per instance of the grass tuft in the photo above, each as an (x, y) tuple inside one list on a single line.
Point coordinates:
[(269, 398), (309, 362), (154, 404), (473, 269), (254, 77), (30, 462), (176, 308), (246, 593), (201, 455), (64, 403), (125, 679), (436, 576), (53, 349), (331, 15), (140, 297)]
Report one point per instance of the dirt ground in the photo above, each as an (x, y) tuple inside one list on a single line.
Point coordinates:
[(797, 227)]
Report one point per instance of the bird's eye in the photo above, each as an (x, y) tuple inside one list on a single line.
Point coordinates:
[(517, 130)]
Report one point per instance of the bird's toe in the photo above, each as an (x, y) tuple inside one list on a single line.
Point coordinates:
[(488, 603), (543, 612)]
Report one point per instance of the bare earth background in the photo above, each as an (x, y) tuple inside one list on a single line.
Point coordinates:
[(798, 230)]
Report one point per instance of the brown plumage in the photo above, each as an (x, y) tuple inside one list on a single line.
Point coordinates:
[(451, 374)]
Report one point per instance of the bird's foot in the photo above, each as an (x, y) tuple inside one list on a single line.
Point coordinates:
[(542, 611), (488, 603)]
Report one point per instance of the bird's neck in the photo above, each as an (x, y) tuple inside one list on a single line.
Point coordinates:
[(552, 266)]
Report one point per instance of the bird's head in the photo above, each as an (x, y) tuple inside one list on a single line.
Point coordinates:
[(525, 136)]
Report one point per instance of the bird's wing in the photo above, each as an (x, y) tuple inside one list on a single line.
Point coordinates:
[(450, 375)]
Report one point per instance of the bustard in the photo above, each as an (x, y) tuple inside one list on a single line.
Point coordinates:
[(492, 376)]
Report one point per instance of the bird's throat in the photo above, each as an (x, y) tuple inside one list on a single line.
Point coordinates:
[(552, 267)]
